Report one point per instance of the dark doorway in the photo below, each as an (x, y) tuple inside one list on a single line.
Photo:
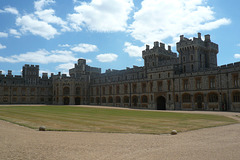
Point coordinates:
[(161, 103), (77, 101), (66, 100), (199, 102)]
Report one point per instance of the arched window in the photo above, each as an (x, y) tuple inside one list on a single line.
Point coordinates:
[(212, 97), (92, 99), (144, 99), (78, 91), (110, 100), (186, 97), (103, 100), (118, 99), (66, 91), (126, 99)]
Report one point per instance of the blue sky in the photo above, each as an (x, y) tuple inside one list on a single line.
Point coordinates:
[(109, 33)]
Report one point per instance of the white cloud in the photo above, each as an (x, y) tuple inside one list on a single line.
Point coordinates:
[(133, 51), (84, 48), (101, 15), (11, 10), (139, 60), (108, 57), (2, 46), (88, 60), (29, 23), (40, 56), (238, 45), (161, 19), (237, 56), (40, 4), (48, 15), (62, 51), (64, 45), (3, 34), (15, 33), (65, 66)]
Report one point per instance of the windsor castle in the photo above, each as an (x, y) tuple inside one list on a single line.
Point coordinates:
[(191, 80)]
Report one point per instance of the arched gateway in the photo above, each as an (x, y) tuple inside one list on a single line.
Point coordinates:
[(161, 103)]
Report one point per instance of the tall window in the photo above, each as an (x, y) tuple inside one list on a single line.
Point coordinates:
[(97, 90), (134, 88), (211, 82), (66, 91), (78, 91), (235, 80), (185, 84), (117, 89), (160, 86), (103, 90), (151, 87), (198, 83), (110, 89), (144, 99), (125, 88), (169, 85), (144, 88)]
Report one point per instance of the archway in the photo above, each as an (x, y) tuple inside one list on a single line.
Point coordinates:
[(161, 103), (135, 101), (66, 100), (77, 101)]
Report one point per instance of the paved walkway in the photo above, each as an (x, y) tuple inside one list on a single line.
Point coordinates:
[(219, 143)]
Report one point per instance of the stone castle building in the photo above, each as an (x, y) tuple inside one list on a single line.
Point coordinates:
[(190, 80)]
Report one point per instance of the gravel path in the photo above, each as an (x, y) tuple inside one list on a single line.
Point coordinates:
[(20, 143)]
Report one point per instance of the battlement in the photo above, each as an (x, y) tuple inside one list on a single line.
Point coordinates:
[(158, 49), (206, 44)]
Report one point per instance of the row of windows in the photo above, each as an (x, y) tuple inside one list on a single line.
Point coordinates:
[(144, 99)]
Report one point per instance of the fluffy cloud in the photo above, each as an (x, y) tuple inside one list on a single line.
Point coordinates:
[(108, 57), (237, 56), (15, 33), (41, 56), (238, 45), (63, 45), (11, 10), (161, 19), (42, 3), (132, 50), (2, 46), (84, 48), (48, 16), (65, 66), (101, 15), (3, 34), (29, 23)]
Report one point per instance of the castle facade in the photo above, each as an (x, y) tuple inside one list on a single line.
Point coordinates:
[(191, 80)]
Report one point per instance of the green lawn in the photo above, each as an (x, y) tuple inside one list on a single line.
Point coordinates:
[(70, 118)]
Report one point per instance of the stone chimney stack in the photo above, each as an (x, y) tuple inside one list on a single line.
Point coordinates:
[(147, 47), (207, 38), (181, 37), (162, 45), (156, 44), (169, 48), (199, 36)]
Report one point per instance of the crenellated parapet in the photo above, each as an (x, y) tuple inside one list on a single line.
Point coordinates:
[(197, 43)]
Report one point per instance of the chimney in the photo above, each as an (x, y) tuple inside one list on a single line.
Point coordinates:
[(9, 72), (147, 47), (199, 35), (207, 38), (156, 44), (162, 45), (169, 48), (181, 37)]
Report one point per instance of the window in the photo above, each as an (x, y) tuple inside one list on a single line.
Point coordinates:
[(184, 69), (66, 91), (103, 100), (110, 89), (191, 57), (169, 85), (144, 99), (110, 100), (159, 86), (144, 88), (97, 90), (212, 97), (118, 99), (211, 82), (169, 97), (78, 91), (103, 90), (134, 88), (198, 83), (236, 97), (176, 98), (184, 59), (186, 97), (151, 87), (117, 89), (125, 88), (159, 75), (235, 80), (192, 67), (185, 84), (126, 99)]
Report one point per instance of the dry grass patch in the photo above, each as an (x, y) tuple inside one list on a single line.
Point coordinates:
[(68, 118)]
